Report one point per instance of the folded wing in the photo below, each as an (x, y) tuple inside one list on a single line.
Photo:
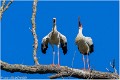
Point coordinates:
[(90, 44)]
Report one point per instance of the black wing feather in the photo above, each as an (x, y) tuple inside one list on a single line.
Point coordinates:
[(64, 47), (91, 48), (44, 48)]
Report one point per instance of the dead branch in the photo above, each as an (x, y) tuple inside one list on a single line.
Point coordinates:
[(112, 64), (63, 71), (59, 75), (3, 8), (35, 45), (7, 6)]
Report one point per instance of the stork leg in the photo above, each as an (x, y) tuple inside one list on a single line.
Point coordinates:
[(53, 56), (88, 63), (58, 56), (83, 61)]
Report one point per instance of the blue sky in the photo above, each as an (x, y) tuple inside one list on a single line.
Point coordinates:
[(99, 20)]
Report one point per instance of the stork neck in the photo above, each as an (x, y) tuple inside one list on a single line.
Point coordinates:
[(80, 31), (54, 28)]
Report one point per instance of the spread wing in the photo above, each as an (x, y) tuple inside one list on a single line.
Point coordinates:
[(44, 44), (63, 42)]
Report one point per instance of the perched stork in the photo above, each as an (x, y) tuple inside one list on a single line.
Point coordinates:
[(85, 44), (54, 38)]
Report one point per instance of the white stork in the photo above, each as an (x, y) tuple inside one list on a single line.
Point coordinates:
[(85, 44), (54, 38)]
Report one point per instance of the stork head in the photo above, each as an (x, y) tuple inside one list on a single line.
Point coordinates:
[(54, 25), (54, 20), (79, 24)]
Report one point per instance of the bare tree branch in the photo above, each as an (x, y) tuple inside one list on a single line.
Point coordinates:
[(35, 45), (59, 75), (7, 6), (63, 71), (3, 4), (113, 66), (3, 8), (73, 59)]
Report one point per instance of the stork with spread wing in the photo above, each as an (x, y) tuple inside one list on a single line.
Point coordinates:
[(54, 38)]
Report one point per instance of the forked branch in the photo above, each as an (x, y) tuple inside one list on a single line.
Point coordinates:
[(3, 8), (113, 66)]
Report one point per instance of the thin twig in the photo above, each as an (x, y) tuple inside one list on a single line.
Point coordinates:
[(112, 64), (3, 4), (4, 8), (73, 58), (73, 63), (30, 29), (7, 6), (108, 70)]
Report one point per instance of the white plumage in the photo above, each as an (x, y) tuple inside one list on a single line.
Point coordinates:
[(85, 44), (54, 38)]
